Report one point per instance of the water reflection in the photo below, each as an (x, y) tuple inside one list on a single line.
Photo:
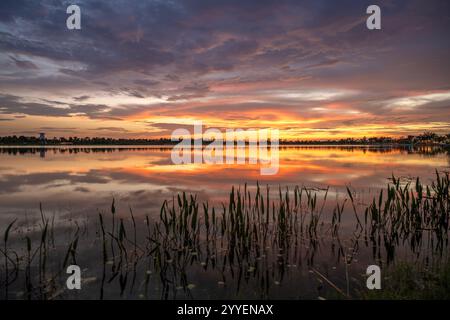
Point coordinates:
[(253, 246), (245, 248), (142, 177)]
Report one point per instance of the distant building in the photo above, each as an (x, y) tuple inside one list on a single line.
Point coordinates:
[(42, 137)]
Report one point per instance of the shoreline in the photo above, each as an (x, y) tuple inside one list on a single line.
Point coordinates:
[(390, 145)]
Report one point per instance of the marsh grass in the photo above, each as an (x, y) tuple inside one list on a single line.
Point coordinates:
[(413, 282), (255, 237)]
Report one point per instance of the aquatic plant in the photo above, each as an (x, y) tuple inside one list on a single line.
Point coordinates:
[(255, 237)]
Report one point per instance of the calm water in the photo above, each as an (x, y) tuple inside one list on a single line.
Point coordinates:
[(77, 183)]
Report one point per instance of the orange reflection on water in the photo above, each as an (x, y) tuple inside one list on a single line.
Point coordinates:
[(143, 177)]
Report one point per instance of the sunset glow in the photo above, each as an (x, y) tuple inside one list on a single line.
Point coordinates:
[(144, 70)]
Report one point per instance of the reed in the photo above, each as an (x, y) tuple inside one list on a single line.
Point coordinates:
[(254, 236), (5, 252)]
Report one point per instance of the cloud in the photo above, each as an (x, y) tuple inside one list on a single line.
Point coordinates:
[(227, 60), (57, 128), (324, 63), (114, 129), (10, 104), (145, 82), (24, 64), (81, 98), (415, 101), (14, 183)]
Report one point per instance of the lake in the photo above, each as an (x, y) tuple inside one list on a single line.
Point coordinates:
[(71, 185), (142, 177)]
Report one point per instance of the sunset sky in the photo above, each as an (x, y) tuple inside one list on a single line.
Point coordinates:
[(144, 68)]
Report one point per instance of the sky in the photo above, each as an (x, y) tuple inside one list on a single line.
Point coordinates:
[(140, 69)]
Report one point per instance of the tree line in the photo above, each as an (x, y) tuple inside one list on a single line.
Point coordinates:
[(424, 138)]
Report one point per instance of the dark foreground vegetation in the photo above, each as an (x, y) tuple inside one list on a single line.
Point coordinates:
[(426, 138), (253, 246)]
